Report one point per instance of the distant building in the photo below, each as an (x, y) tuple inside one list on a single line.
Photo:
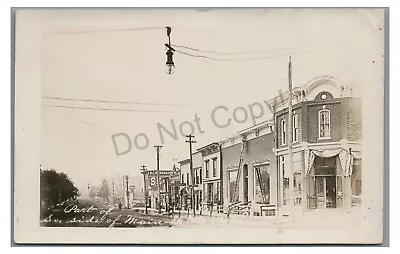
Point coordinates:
[(175, 187), (151, 178), (187, 182)]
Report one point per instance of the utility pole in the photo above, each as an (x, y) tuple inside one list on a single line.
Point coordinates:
[(190, 141), (290, 145), (127, 190), (122, 192), (143, 168), (158, 148), (132, 188), (113, 193), (113, 186)]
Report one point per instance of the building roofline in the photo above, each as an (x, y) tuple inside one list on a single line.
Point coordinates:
[(183, 161), (309, 86), (263, 124), (209, 145), (160, 170)]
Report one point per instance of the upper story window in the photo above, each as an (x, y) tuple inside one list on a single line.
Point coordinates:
[(324, 124), (214, 167), (187, 179), (207, 168), (295, 131), (183, 178), (283, 132)]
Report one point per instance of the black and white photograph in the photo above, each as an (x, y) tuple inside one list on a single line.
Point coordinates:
[(199, 126)]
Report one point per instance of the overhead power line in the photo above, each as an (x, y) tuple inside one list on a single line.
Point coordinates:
[(106, 109), (241, 58), (233, 53), (77, 120), (117, 102), (108, 30)]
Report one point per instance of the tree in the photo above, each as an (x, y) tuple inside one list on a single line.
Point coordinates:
[(104, 191), (92, 192), (56, 187)]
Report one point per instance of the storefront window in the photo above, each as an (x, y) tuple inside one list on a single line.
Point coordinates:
[(356, 182), (262, 193), (232, 182), (209, 193), (297, 188), (325, 166), (285, 190), (217, 190)]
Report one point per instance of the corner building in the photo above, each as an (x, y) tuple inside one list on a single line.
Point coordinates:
[(327, 154)]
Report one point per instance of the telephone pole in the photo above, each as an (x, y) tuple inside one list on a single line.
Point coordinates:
[(113, 186), (290, 145), (158, 148), (127, 190), (190, 141), (143, 168), (113, 193)]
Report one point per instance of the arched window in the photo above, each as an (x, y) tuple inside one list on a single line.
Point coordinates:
[(324, 124), (295, 131), (283, 132)]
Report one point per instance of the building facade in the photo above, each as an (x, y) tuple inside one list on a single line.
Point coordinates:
[(175, 181), (152, 195), (211, 176), (187, 182), (198, 187), (257, 182), (326, 134)]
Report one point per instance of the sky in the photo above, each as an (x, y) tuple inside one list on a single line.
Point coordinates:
[(120, 56)]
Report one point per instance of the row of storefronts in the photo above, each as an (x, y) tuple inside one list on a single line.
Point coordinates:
[(250, 169)]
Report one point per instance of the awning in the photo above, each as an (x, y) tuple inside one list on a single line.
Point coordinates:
[(346, 159)]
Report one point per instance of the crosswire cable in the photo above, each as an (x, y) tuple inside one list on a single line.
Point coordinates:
[(77, 120), (231, 53), (107, 30), (239, 59), (106, 109), (116, 102)]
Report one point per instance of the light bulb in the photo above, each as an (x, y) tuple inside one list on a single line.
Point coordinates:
[(170, 69)]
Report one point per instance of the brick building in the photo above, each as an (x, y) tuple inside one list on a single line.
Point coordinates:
[(326, 129)]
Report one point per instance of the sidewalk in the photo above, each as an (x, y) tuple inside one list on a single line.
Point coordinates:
[(311, 219)]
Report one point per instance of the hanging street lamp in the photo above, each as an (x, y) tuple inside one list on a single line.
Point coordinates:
[(170, 53)]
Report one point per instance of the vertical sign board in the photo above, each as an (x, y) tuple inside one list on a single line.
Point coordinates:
[(153, 182)]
